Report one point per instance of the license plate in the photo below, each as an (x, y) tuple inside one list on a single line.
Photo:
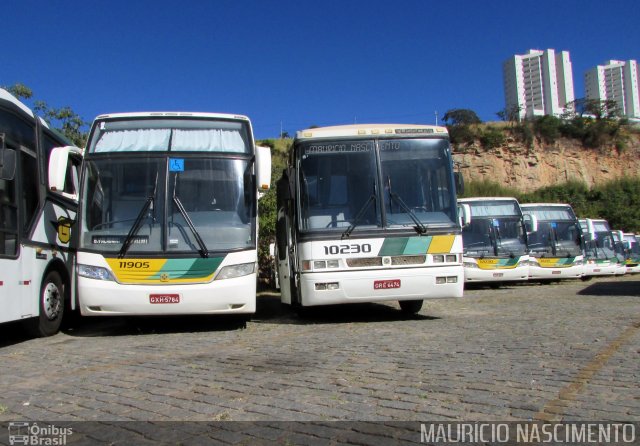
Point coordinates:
[(498, 274), (164, 298), (556, 272), (386, 284)]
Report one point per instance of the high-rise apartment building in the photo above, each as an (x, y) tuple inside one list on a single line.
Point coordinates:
[(538, 83), (616, 80)]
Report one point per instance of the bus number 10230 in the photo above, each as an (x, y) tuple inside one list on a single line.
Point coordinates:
[(347, 249)]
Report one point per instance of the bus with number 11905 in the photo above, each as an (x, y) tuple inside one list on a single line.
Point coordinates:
[(168, 215)]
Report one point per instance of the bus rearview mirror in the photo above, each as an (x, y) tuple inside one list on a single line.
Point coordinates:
[(263, 169), (530, 223)]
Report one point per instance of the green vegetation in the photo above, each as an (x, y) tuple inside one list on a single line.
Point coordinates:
[(594, 123), (267, 206), (63, 119), (618, 201)]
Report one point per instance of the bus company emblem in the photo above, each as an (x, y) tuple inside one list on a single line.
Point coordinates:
[(164, 277), (63, 227)]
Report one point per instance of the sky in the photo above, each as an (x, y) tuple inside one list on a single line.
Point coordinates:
[(289, 65)]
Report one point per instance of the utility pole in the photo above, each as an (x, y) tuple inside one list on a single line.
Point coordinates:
[(436, 113)]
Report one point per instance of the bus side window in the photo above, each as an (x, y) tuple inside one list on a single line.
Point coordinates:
[(29, 182), (8, 218)]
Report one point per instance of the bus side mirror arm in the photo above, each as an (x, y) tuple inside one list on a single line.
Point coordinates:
[(530, 223), (464, 212), (263, 169)]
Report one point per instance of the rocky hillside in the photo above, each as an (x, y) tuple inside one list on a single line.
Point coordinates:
[(514, 165)]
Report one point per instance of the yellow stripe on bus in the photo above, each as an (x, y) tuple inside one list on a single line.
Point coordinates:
[(441, 244)]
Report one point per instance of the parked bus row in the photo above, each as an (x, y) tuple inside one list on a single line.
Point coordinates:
[(506, 241), (158, 215)]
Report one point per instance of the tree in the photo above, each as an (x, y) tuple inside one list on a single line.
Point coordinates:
[(461, 116), (63, 119), (594, 107), (510, 114), (20, 91)]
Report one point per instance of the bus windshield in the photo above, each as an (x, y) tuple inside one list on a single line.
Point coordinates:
[(342, 187), (167, 204), (558, 231), (495, 229), (176, 135), (603, 246)]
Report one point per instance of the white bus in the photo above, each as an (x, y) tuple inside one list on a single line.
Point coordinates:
[(632, 251), (495, 242), (168, 215), (600, 248), (619, 246), (556, 247), (367, 213), (35, 222)]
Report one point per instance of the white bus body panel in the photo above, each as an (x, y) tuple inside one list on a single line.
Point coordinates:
[(603, 268), (228, 296), (356, 284), (21, 278), (497, 274), (567, 272)]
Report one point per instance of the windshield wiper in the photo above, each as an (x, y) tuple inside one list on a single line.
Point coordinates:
[(137, 224), (419, 227), (360, 213), (204, 252)]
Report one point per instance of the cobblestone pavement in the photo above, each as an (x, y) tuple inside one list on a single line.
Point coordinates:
[(566, 351)]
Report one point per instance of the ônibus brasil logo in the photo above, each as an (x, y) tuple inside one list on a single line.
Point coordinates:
[(32, 434)]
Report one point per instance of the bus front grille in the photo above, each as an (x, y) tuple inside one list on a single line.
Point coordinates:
[(364, 262), (408, 260)]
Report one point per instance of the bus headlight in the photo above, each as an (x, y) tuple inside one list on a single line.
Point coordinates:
[(95, 272), (470, 265), (231, 271)]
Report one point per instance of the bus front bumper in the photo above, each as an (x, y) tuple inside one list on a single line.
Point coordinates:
[(569, 272), (381, 285), (600, 270), (477, 275), (108, 298)]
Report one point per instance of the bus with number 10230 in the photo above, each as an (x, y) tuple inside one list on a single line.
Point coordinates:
[(168, 215), (368, 213), (37, 221)]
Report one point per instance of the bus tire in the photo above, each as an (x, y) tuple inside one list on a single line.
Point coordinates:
[(410, 306), (52, 303)]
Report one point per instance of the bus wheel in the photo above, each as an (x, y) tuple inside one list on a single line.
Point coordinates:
[(51, 307), (410, 306)]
